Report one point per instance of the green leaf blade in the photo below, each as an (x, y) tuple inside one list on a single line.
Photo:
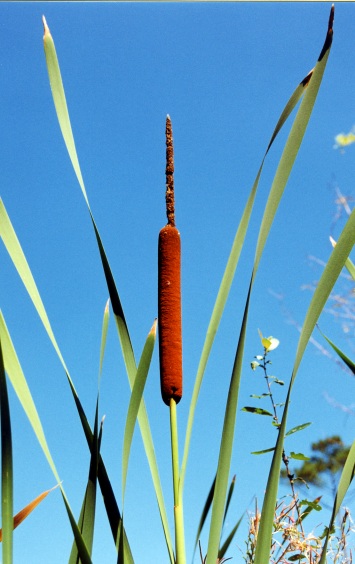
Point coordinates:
[(257, 411), (135, 401), (6, 468), (297, 428)]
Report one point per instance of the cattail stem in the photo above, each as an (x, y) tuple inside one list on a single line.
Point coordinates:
[(178, 510), (169, 290)]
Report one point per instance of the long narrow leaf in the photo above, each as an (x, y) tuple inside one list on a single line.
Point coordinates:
[(229, 498), (6, 467), (87, 514), (18, 258), (126, 345), (105, 323), (349, 363), (26, 511), (346, 478), (19, 383), (86, 522), (223, 549), (325, 286), (281, 177), (229, 272), (349, 265), (204, 514), (328, 279), (225, 452), (135, 401)]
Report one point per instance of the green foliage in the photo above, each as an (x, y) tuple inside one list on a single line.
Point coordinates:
[(265, 523), (6, 468), (297, 456), (257, 410), (297, 428), (328, 460)]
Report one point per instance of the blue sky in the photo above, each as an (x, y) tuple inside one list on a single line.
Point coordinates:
[(223, 71)]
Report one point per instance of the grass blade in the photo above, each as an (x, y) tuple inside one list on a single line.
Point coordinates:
[(125, 341), (328, 279), (293, 143), (204, 514), (229, 498), (26, 511), (60, 102), (349, 363), (19, 383), (230, 269), (86, 522), (346, 478), (135, 401), (225, 452), (6, 468), (18, 258), (279, 183), (349, 265), (223, 549), (87, 514), (105, 323)]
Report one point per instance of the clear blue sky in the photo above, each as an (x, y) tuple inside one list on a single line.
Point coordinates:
[(223, 71)]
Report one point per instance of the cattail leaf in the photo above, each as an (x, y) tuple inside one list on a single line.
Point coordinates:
[(19, 383), (86, 523), (351, 268), (18, 258), (229, 497), (105, 323), (204, 513), (123, 333), (282, 174), (230, 269), (229, 539), (326, 283), (289, 154), (298, 428), (60, 102), (346, 478), (26, 511), (349, 265), (135, 401), (6, 466), (349, 363)]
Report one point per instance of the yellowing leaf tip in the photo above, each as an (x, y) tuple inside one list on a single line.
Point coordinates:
[(45, 27), (153, 330)]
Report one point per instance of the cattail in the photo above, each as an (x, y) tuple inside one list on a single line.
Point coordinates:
[(169, 290)]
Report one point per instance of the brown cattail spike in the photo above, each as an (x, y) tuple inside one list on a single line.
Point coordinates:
[(169, 290), (169, 171)]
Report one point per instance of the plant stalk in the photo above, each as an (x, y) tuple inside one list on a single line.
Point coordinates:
[(180, 557)]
